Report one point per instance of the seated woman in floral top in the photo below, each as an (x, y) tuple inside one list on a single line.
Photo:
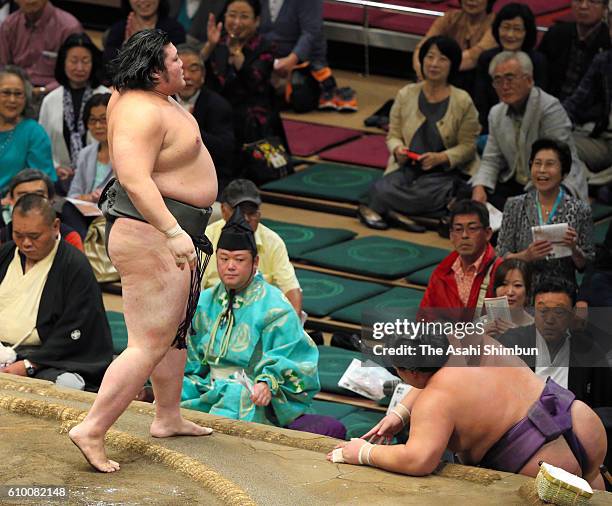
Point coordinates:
[(239, 65), (547, 203)]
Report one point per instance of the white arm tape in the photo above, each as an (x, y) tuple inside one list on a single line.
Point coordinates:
[(337, 457)]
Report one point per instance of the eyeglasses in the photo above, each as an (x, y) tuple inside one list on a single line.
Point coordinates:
[(557, 311), (18, 94), (547, 164), (75, 61), (470, 229), (511, 28), (235, 15), (510, 79), (93, 121)]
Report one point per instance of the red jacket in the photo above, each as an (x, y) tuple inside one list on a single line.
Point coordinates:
[(442, 291)]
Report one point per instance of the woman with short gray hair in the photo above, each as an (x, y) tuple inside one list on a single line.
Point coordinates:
[(23, 142)]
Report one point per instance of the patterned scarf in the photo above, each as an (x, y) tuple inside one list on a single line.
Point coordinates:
[(75, 124)]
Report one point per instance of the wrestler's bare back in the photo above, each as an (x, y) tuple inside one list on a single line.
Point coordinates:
[(498, 397), (183, 169)]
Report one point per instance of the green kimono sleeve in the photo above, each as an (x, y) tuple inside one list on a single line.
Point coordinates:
[(289, 365)]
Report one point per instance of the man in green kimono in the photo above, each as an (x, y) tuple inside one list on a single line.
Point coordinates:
[(244, 325)]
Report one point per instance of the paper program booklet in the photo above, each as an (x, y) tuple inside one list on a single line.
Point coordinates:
[(498, 308), (553, 234)]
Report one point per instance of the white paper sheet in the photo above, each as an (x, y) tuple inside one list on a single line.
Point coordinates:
[(495, 217), (498, 308), (554, 234)]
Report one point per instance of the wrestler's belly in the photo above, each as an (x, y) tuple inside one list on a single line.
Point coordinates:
[(194, 183)]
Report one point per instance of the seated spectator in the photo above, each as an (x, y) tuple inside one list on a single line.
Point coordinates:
[(569, 48), (34, 181), (572, 358), (274, 263), (465, 277), (514, 29), (239, 66), (31, 37), (93, 168), (295, 28), (513, 281), (78, 70), (547, 203), (49, 294), (246, 325), (196, 24), (188, 11), (484, 415), (590, 109), (525, 114), (596, 286), (437, 122), (471, 28), (140, 16), (212, 112), (23, 142)]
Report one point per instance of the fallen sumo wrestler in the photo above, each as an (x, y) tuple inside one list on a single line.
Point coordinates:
[(157, 210), (497, 414)]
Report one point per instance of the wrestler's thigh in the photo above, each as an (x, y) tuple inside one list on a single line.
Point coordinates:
[(154, 289), (557, 453)]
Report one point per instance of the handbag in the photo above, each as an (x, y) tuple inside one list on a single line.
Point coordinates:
[(95, 251), (266, 160)]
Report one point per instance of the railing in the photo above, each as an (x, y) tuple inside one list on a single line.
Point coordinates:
[(378, 37)]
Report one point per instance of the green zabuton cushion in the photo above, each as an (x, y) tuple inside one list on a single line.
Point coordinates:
[(328, 181), (395, 299), (301, 239), (324, 293), (421, 277), (333, 362), (118, 331), (377, 256), (600, 211)]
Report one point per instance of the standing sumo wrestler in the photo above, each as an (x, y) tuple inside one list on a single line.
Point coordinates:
[(157, 210)]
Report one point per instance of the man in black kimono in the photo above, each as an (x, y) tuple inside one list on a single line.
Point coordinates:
[(50, 302)]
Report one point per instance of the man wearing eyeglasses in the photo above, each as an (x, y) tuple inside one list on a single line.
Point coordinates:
[(570, 47), (574, 359), (525, 113), (464, 278)]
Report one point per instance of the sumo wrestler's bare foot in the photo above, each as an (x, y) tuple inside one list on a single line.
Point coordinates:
[(179, 427), (93, 450)]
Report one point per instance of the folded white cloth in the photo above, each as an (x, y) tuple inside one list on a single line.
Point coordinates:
[(337, 457)]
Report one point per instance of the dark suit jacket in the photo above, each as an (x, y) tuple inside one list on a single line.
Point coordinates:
[(214, 116), (592, 385), (556, 45), (199, 23), (116, 35)]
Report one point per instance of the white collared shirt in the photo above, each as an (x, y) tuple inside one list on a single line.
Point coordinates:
[(557, 369), (275, 7), (188, 104)]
